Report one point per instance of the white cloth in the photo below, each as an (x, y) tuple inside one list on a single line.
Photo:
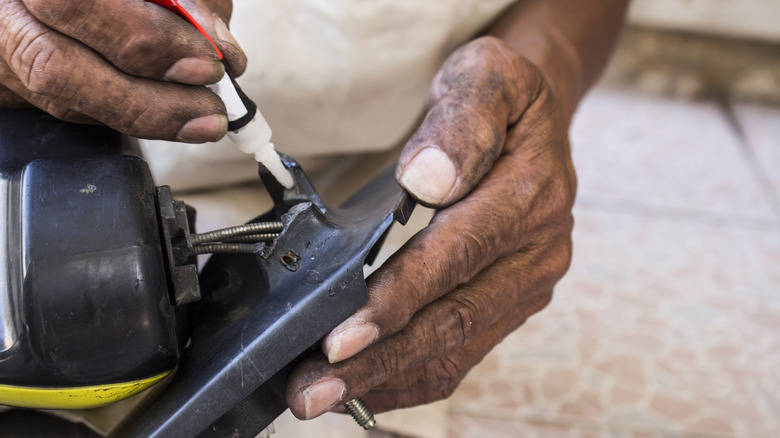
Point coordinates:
[(335, 76)]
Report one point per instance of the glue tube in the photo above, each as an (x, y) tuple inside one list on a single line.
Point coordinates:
[(246, 126), (248, 129)]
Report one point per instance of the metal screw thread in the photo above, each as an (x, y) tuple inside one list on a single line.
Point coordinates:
[(360, 413), (223, 248), (227, 233), (251, 238)]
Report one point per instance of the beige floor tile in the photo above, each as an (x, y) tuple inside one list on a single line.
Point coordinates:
[(326, 426), (661, 154), (464, 426), (660, 325)]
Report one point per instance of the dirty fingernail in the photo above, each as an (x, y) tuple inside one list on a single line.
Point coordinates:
[(430, 176), (223, 33), (320, 397), (203, 129), (195, 71), (351, 341)]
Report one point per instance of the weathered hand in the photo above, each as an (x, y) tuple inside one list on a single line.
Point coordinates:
[(131, 65), (493, 153)]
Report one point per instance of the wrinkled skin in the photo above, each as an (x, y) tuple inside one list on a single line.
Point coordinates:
[(490, 257), (115, 62)]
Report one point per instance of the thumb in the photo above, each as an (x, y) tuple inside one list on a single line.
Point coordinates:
[(482, 89)]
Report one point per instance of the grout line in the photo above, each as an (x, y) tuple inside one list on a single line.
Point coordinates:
[(679, 214), (748, 152)]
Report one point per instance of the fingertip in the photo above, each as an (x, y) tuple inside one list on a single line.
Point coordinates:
[(349, 341), (430, 177), (203, 129), (316, 399), (195, 71)]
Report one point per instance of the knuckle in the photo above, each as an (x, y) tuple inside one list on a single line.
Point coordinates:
[(520, 79), (386, 365), (136, 118), (460, 328), (46, 84), (54, 12), (445, 376), (71, 17), (135, 54), (473, 248), (487, 47), (39, 67)]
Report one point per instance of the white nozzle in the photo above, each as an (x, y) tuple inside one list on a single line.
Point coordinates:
[(255, 138)]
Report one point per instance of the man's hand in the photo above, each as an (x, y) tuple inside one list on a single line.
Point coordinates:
[(131, 65), (493, 153)]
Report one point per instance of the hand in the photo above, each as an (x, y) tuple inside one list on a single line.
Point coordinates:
[(131, 65), (493, 153)]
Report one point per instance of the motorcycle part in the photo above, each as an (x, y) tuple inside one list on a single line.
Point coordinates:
[(85, 318), (260, 312)]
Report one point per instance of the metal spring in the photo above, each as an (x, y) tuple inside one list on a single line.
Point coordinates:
[(223, 248), (228, 233), (252, 238)]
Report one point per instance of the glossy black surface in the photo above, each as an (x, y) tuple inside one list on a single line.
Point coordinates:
[(85, 295)]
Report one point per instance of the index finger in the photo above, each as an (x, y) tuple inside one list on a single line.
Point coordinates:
[(139, 38)]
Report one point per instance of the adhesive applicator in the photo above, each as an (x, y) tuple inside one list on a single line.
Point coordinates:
[(247, 127)]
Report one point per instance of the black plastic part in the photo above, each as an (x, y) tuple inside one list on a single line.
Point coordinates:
[(28, 134), (251, 107), (176, 225), (257, 314), (95, 281), (95, 297), (93, 300), (254, 413)]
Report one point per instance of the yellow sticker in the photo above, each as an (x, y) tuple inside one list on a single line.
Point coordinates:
[(83, 397)]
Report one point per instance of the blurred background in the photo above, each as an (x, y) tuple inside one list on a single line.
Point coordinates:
[(668, 322)]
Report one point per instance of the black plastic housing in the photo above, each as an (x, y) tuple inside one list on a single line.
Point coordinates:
[(85, 299)]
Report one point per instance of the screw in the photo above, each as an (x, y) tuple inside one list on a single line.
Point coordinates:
[(360, 413)]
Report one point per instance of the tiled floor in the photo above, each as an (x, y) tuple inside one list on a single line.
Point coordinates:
[(668, 323)]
